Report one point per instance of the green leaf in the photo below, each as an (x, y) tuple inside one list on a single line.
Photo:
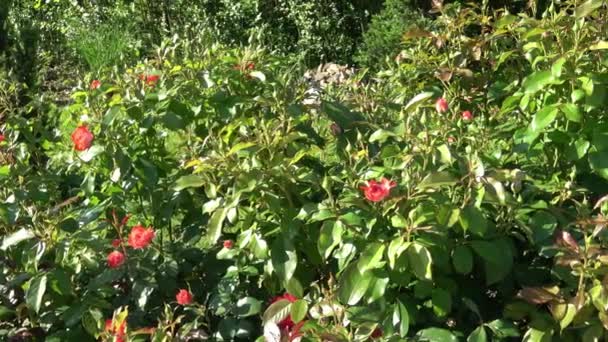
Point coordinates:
[(571, 112), (420, 260), (395, 248), (189, 181), (381, 135), (568, 316), (16, 237), (35, 292), (501, 328), (543, 225), (537, 81), (299, 309), (587, 8), (417, 100), (330, 237), (284, 258), (90, 153), (601, 45), (436, 335), (556, 68), (240, 146), (371, 257), (472, 219), (462, 259), (438, 179), (543, 118), (248, 306), (214, 230), (401, 318), (599, 163), (353, 285), (277, 312), (442, 302), (478, 335), (259, 75), (497, 256)]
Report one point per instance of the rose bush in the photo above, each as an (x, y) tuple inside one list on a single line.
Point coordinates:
[(381, 214)]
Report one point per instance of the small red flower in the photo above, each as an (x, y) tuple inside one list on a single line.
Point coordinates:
[(467, 115), (95, 84), (250, 66), (1, 138), (441, 105), (115, 259), (287, 323), (183, 297), (116, 243), (377, 191), (140, 237), (228, 244), (118, 332), (151, 80), (82, 138), (377, 333)]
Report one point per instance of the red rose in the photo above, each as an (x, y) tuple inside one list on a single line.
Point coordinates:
[(118, 332), (116, 243), (467, 115), (377, 191), (1, 138), (140, 237), (441, 105), (95, 84), (183, 297), (286, 323), (228, 244), (82, 138), (115, 259), (152, 79)]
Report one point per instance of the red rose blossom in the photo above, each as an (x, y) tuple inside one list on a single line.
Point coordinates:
[(377, 191), (228, 244), (467, 115), (151, 80), (116, 243), (441, 105), (140, 237), (118, 332), (183, 297), (95, 84), (115, 259), (82, 138), (377, 333), (287, 323)]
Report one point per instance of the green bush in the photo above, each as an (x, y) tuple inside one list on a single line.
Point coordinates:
[(384, 36)]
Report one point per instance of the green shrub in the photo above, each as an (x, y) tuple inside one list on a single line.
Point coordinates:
[(104, 45), (383, 38)]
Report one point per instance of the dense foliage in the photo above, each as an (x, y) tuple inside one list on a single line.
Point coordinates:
[(193, 193)]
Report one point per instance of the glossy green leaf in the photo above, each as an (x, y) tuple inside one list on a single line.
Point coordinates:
[(370, 257), (599, 163), (436, 335), (417, 100), (215, 224), (277, 312), (16, 237), (330, 237), (438, 179), (537, 81), (35, 292), (299, 309), (478, 335), (571, 112), (442, 302), (543, 118), (472, 220), (587, 8), (189, 181), (502, 328), (284, 258), (420, 260), (462, 259), (353, 285), (248, 306), (401, 318)]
